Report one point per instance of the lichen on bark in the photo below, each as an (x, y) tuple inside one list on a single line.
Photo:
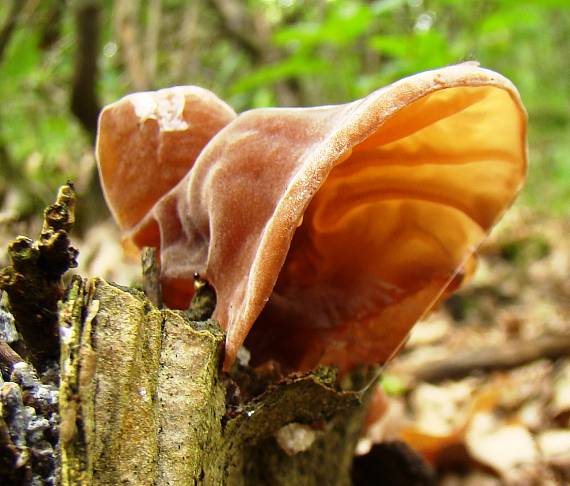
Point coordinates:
[(143, 402), (142, 397)]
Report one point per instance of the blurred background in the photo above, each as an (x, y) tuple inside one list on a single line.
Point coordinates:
[(61, 61)]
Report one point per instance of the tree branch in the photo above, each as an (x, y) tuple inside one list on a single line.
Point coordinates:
[(500, 357)]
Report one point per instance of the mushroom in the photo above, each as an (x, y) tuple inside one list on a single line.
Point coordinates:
[(328, 232), (147, 142)]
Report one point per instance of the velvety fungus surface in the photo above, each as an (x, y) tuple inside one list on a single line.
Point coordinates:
[(326, 232)]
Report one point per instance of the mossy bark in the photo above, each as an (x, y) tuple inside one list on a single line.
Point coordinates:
[(143, 401), (142, 398)]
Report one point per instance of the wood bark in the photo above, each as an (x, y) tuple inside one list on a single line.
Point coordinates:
[(142, 401)]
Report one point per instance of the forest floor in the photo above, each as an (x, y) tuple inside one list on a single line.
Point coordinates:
[(482, 388)]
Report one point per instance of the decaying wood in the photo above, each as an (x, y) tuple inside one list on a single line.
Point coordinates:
[(142, 401), (29, 420), (28, 426), (151, 275), (34, 283), (8, 357)]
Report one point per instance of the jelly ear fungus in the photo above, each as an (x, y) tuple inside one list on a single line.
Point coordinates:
[(326, 232)]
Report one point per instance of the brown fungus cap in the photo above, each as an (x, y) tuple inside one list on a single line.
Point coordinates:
[(328, 232), (148, 141)]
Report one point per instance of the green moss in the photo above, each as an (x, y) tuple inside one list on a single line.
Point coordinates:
[(140, 379)]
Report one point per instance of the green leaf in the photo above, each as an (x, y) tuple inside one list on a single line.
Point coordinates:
[(344, 24), (295, 66), (22, 58)]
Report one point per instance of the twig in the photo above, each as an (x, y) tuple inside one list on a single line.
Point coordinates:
[(500, 357), (8, 356), (151, 275)]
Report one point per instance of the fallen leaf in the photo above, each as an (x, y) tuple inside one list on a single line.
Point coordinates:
[(509, 450)]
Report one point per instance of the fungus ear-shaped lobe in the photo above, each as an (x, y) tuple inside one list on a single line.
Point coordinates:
[(330, 231), (147, 142), (336, 228), (391, 226)]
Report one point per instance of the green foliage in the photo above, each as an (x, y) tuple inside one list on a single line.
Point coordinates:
[(305, 52), (36, 128)]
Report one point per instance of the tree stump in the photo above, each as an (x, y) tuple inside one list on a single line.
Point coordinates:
[(142, 401), (142, 398)]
